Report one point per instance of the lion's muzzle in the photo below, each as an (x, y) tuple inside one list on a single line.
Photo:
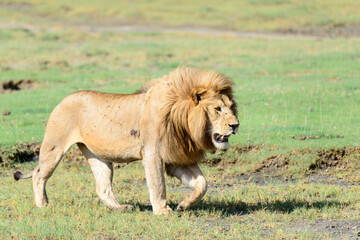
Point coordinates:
[(221, 138)]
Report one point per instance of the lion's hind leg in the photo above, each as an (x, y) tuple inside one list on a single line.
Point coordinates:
[(103, 173), (193, 177), (50, 156)]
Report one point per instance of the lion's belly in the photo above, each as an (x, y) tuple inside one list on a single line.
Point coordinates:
[(119, 152), (110, 129), (113, 144)]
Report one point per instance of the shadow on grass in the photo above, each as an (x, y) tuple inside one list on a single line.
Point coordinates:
[(241, 208), (230, 207)]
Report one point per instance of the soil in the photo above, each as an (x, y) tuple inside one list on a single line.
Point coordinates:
[(325, 158), (329, 32), (21, 152), (338, 229), (261, 179), (333, 157), (220, 160), (252, 147), (279, 162), (29, 152), (18, 85)]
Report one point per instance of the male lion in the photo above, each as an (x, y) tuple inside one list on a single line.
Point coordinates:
[(172, 121)]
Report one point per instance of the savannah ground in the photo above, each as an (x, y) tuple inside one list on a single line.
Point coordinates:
[(293, 170)]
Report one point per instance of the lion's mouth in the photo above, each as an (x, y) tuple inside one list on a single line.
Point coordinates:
[(221, 138)]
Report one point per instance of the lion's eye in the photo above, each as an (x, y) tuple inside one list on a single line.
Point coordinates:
[(218, 109)]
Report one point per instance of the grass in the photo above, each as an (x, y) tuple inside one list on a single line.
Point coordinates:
[(248, 211), (263, 188), (312, 91), (245, 15)]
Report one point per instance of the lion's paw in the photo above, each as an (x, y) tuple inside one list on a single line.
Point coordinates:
[(182, 206), (163, 211), (123, 208)]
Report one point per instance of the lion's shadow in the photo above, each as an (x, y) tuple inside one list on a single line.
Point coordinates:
[(280, 206), (232, 207)]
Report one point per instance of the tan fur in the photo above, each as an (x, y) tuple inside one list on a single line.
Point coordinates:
[(172, 120)]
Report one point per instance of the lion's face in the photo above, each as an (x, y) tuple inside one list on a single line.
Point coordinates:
[(222, 119), (213, 120)]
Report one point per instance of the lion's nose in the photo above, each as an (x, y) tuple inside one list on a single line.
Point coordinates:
[(234, 126)]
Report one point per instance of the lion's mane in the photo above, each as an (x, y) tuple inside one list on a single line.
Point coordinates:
[(184, 129)]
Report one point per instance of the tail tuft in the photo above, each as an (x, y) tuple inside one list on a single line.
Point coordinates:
[(17, 175)]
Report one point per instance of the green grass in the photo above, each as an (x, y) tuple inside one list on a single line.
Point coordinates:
[(247, 211), (312, 91), (243, 15), (284, 87)]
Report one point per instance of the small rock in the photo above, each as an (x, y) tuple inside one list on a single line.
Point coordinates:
[(311, 137), (317, 136), (302, 137), (310, 109), (249, 139), (358, 234), (340, 136), (292, 136), (6, 113)]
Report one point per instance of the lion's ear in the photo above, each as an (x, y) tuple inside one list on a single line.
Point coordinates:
[(197, 95)]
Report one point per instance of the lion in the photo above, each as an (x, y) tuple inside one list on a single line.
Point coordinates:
[(169, 123)]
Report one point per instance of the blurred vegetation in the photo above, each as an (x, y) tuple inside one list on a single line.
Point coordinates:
[(230, 14)]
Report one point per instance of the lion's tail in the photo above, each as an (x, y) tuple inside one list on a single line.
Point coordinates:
[(18, 175)]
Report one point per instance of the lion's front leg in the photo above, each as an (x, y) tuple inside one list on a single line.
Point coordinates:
[(193, 177), (156, 183)]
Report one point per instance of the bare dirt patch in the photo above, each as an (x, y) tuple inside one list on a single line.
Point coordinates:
[(323, 178), (29, 152), (325, 158), (18, 85), (335, 31), (221, 157), (274, 162), (261, 179), (22, 152), (338, 229), (333, 157), (251, 148)]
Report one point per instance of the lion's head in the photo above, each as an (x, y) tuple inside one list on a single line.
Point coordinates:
[(199, 113), (213, 120)]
